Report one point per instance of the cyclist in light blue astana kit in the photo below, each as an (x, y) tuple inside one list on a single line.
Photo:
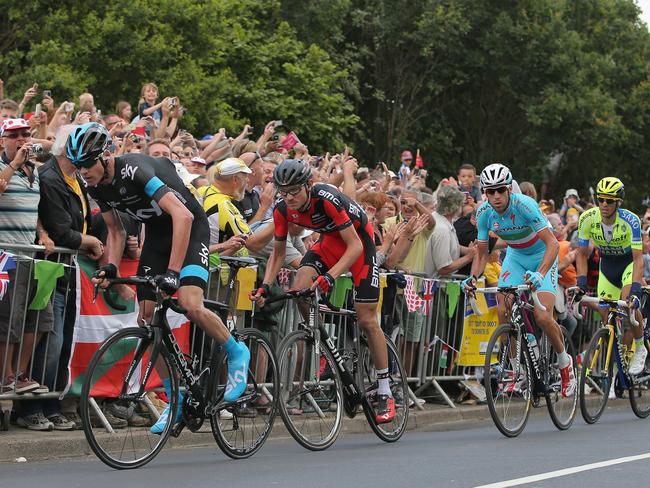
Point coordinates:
[(531, 256)]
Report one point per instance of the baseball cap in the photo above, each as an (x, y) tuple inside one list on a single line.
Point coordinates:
[(232, 166), (407, 155), (13, 124), (198, 160), (571, 192)]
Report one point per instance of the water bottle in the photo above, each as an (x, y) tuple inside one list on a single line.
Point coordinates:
[(532, 341)]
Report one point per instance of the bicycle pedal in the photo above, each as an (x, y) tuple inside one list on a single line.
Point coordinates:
[(177, 429)]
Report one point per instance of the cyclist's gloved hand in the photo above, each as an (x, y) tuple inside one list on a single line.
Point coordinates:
[(634, 299), (582, 284), (325, 283), (262, 292), (468, 285), (535, 278), (108, 271), (168, 282)]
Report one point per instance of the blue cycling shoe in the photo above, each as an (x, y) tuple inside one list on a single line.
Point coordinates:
[(238, 360), (159, 426)]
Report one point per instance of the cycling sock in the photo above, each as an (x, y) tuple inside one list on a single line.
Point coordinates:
[(232, 347), (563, 359), (383, 380), (167, 383)]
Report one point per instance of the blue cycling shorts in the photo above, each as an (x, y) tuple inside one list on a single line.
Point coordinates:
[(516, 264)]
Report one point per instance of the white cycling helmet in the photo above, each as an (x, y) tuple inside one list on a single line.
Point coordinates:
[(495, 175)]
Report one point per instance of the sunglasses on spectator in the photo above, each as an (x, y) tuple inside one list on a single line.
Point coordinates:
[(290, 191), (16, 135), (500, 190), (608, 201)]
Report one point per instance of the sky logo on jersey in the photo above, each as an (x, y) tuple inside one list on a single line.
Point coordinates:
[(129, 171)]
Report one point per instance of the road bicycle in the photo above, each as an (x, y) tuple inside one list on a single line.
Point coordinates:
[(521, 366), (321, 381), (127, 368), (608, 350)]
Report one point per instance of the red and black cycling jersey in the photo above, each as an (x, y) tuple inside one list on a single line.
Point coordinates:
[(329, 211)]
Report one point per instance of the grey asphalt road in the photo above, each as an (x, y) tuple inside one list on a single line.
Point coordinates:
[(472, 456)]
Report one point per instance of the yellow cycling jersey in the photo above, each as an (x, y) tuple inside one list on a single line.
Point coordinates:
[(224, 218), (626, 233)]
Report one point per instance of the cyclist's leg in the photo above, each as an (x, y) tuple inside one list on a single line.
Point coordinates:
[(544, 319), (193, 283)]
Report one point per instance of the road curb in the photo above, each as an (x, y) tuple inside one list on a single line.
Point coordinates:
[(40, 446)]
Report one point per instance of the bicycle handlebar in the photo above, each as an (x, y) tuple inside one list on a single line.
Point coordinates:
[(305, 293), (505, 289), (578, 297), (137, 281)]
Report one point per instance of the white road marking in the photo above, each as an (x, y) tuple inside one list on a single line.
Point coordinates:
[(565, 472)]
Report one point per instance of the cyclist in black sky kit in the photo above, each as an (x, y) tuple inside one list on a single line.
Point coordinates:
[(177, 235), (346, 243)]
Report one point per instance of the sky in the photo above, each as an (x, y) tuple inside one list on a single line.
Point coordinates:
[(645, 7)]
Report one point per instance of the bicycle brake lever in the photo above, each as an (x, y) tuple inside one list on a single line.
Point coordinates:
[(95, 293)]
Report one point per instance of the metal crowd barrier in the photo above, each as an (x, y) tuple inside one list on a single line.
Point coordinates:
[(422, 321)]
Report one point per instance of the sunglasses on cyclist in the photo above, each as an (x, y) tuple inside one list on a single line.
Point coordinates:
[(290, 191), (608, 201), (500, 190), (15, 135)]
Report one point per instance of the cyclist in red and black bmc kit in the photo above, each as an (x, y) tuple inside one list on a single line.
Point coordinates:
[(346, 243)]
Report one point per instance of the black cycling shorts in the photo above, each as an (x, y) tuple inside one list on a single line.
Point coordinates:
[(365, 272), (156, 251)]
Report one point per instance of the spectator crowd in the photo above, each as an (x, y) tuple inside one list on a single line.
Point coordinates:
[(422, 228)]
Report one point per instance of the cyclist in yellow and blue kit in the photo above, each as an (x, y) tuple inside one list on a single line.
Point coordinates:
[(616, 233), (531, 256)]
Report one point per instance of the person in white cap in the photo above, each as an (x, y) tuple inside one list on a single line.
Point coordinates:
[(570, 211), (196, 166), (228, 228)]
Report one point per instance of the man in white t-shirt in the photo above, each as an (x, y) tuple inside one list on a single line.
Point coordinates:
[(444, 255)]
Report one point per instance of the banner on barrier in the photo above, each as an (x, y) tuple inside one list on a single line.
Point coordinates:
[(477, 330), (96, 321)]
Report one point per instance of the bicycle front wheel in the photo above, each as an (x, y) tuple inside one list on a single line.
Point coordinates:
[(367, 378), (241, 428), (640, 390), (595, 377), (508, 386), (311, 391), (561, 409), (115, 384)]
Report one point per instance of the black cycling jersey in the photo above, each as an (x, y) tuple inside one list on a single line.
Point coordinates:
[(138, 185), (249, 205)]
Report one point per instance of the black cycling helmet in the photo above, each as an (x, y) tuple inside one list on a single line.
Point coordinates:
[(86, 144), (291, 172)]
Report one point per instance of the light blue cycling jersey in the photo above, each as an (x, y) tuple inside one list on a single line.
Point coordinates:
[(518, 226)]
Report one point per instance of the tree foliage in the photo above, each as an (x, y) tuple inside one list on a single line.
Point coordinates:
[(462, 80)]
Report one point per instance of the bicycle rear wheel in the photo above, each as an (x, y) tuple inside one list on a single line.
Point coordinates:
[(367, 379), (311, 391), (114, 378), (508, 386), (561, 409), (241, 428), (595, 377), (640, 390)]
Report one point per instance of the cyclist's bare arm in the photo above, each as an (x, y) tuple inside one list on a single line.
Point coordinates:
[(581, 260), (276, 260), (550, 253), (480, 260), (637, 269), (182, 220), (353, 250), (115, 240)]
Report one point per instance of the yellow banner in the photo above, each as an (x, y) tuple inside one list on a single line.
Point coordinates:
[(477, 330)]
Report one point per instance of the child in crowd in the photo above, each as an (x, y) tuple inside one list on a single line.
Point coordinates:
[(147, 104), (467, 181)]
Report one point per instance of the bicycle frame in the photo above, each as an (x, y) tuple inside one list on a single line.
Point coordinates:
[(352, 394)]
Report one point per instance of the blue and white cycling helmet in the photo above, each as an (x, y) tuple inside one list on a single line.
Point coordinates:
[(495, 175), (86, 144)]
